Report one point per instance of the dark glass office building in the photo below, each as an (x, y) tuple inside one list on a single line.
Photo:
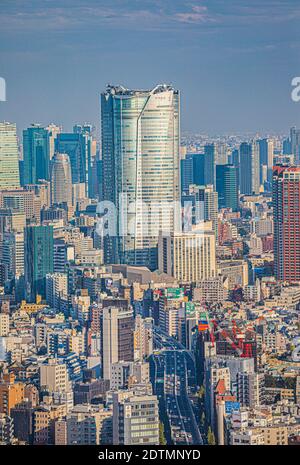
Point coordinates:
[(227, 186), (74, 144), (36, 154), (38, 260), (210, 164)]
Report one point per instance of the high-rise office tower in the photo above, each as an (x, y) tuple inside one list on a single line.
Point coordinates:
[(141, 167), (87, 131), (9, 164), (235, 158), (286, 204), (79, 146), (117, 326), (227, 186), (13, 254), (210, 154), (189, 256), (56, 289), (287, 147), (74, 145), (295, 144), (36, 154), (53, 131), (266, 154), (186, 173), (97, 174), (38, 259), (206, 205), (11, 223), (61, 179), (198, 169), (249, 168), (221, 154)]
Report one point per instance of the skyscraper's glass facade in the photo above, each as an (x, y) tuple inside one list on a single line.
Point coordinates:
[(210, 164), (78, 146), (140, 148), (249, 168), (36, 154), (227, 186), (38, 259)]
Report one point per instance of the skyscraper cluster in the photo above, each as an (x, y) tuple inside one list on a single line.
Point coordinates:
[(149, 281)]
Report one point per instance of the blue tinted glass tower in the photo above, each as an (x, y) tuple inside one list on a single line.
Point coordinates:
[(249, 168), (36, 154), (187, 176), (227, 186), (210, 164), (74, 145), (38, 252), (198, 169)]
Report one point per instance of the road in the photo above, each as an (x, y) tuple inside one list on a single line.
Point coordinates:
[(172, 372)]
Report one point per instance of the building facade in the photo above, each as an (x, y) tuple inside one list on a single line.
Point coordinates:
[(38, 259), (286, 204), (9, 172), (141, 169)]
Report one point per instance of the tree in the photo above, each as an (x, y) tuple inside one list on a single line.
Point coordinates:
[(162, 439), (211, 437)]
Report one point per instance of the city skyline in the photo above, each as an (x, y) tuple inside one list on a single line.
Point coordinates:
[(149, 226), (222, 56)]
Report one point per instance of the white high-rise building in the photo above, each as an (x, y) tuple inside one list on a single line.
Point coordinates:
[(189, 256), (135, 419), (9, 156), (13, 254), (141, 169), (61, 179), (56, 289), (117, 327), (53, 131)]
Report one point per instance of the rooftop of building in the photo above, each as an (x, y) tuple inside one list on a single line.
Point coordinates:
[(120, 90)]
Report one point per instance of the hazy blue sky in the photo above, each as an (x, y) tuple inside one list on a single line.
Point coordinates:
[(233, 60)]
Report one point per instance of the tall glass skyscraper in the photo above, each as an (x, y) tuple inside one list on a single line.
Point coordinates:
[(9, 164), (36, 154), (61, 179), (249, 168), (198, 169), (38, 260), (73, 145), (187, 174), (266, 155), (141, 164), (295, 144), (78, 145), (227, 187), (210, 164)]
